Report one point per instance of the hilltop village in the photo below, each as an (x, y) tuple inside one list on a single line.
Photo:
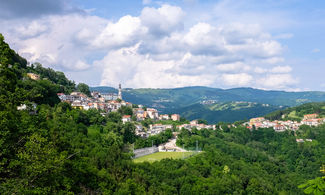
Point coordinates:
[(111, 102), (281, 126)]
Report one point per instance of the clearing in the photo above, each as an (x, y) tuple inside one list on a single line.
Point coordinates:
[(161, 155)]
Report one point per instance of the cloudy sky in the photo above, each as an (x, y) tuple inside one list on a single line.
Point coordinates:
[(268, 44)]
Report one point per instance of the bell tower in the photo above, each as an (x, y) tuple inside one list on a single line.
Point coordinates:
[(119, 92)]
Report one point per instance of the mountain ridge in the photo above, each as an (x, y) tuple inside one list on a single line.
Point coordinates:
[(181, 100)]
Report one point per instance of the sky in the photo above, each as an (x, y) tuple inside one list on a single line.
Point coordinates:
[(270, 44)]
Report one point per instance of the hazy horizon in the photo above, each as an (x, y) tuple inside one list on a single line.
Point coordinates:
[(123, 87)]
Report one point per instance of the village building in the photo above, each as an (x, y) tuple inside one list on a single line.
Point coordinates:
[(279, 128), (158, 128), (126, 118), (300, 140), (33, 76), (164, 117), (310, 116), (152, 113), (194, 122), (253, 121), (109, 96), (311, 122), (175, 117), (77, 105)]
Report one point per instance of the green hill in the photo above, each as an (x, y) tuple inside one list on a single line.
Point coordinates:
[(227, 112), (186, 101), (60, 150), (298, 112)]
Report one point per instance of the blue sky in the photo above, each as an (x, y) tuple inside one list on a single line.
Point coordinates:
[(269, 44)]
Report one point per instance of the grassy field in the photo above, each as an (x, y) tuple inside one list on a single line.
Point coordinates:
[(293, 115), (161, 155)]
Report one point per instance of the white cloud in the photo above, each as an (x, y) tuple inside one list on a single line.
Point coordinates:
[(52, 40), (33, 29), (153, 49), (124, 33), (162, 21), (281, 69), (260, 70), (240, 79), (277, 81), (135, 70), (233, 67)]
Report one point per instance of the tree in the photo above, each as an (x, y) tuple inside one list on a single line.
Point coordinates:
[(125, 110), (83, 88), (314, 186)]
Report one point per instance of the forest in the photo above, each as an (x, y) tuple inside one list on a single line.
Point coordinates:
[(54, 149)]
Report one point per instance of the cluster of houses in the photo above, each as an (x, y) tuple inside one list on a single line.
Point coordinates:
[(106, 102), (154, 129), (195, 124), (110, 102), (280, 126), (81, 101), (151, 113)]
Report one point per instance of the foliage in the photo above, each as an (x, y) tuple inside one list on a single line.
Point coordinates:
[(314, 186), (162, 137), (125, 110), (57, 77), (297, 113), (83, 88), (60, 150)]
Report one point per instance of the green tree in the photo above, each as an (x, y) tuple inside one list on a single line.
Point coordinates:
[(315, 186), (83, 88)]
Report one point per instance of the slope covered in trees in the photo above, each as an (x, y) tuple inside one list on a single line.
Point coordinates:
[(60, 150), (187, 99), (298, 112)]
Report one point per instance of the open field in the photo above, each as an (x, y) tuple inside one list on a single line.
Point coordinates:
[(161, 155), (293, 115)]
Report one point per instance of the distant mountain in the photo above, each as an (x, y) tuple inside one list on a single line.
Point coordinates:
[(188, 101), (227, 112)]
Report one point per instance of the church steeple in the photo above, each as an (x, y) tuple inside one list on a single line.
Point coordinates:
[(119, 92)]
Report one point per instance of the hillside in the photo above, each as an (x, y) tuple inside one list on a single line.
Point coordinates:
[(297, 113), (186, 101), (227, 112), (60, 150)]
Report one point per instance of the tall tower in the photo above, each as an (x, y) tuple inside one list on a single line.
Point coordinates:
[(119, 92)]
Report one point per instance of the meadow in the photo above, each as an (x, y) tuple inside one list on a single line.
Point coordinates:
[(161, 155)]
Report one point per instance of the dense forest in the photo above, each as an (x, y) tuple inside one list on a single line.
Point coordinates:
[(54, 149)]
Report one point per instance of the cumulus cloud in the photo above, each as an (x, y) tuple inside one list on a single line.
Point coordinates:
[(281, 69), (162, 21), (124, 33), (277, 81), (240, 79), (136, 70), (276, 69), (52, 41), (153, 49)]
